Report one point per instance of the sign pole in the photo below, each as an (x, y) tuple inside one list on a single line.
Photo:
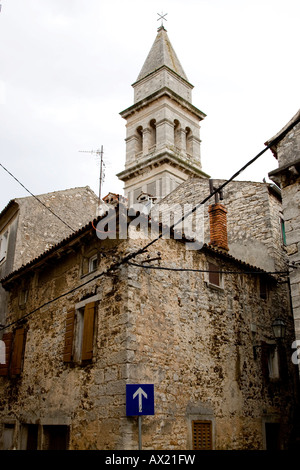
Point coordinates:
[(139, 402), (140, 431)]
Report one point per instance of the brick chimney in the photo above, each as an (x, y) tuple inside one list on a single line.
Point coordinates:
[(218, 226)]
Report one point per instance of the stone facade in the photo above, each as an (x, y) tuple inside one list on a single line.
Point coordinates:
[(254, 214), (287, 151), (29, 228), (204, 341)]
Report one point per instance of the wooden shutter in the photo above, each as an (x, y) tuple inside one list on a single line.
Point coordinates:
[(202, 435), (17, 353), (69, 335), (214, 277), (88, 331), (7, 339)]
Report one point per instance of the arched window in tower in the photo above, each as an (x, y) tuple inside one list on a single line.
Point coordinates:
[(177, 132), (139, 142), (152, 142), (189, 136)]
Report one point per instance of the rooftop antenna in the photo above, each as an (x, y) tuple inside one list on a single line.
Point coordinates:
[(102, 166)]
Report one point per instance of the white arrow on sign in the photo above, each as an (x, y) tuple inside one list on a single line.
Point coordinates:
[(139, 393)]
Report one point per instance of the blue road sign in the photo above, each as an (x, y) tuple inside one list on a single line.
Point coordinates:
[(139, 399)]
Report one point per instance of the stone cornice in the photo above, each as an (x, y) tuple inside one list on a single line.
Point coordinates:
[(158, 158), (165, 91)]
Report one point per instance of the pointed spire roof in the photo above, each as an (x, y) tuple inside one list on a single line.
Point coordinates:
[(162, 54)]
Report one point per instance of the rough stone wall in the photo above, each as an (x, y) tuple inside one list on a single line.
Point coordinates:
[(90, 398), (192, 340), (288, 149), (288, 152), (39, 230), (252, 219), (198, 352)]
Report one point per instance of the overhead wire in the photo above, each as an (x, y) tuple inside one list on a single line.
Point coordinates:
[(38, 199), (132, 255), (168, 268)]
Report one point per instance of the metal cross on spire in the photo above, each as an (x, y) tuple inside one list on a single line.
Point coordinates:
[(162, 17)]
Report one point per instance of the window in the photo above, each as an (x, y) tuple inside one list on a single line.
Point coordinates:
[(55, 437), (8, 436), (29, 436), (139, 141), (202, 435), (3, 245), (189, 146), (272, 433), (214, 276), (273, 362), (23, 297), (283, 235), (263, 288), (79, 334), (177, 134), (14, 352), (93, 263), (152, 142), (45, 437)]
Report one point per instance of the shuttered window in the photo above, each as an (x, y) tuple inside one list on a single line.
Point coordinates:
[(79, 334), (14, 351), (88, 332), (69, 335), (7, 339), (202, 435), (17, 353)]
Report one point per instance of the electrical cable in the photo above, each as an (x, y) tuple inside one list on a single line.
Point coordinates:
[(35, 197), (130, 256), (166, 268)]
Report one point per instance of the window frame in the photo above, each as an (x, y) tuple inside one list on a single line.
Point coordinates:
[(212, 265), (204, 422), (93, 260), (80, 332), (15, 342), (3, 251)]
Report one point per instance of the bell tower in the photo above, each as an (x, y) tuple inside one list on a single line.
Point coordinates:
[(162, 130)]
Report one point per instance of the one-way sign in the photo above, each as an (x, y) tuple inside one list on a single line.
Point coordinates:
[(139, 399)]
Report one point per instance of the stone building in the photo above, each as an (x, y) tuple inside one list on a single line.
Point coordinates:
[(28, 227), (163, 130), (192, 313), (96, 318), (254, 218), (286, 150)]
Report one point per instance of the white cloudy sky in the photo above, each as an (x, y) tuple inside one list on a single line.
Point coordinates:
[(66, 69)]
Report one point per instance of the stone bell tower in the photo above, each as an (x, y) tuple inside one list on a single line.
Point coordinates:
[(163, 131)]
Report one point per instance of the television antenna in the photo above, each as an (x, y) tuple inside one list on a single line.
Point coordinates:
[(99, 153)]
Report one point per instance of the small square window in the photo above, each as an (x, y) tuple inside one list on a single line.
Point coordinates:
[(55, 437), (214, 276), (93, 263), (202, 435)]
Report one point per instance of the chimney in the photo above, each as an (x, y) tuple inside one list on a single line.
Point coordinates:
[(218, 226)]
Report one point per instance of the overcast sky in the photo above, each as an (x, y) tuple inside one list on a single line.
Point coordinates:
[(66, 69)]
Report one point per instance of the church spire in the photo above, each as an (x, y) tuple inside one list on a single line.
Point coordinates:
[(162, 54), (162, 129)]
